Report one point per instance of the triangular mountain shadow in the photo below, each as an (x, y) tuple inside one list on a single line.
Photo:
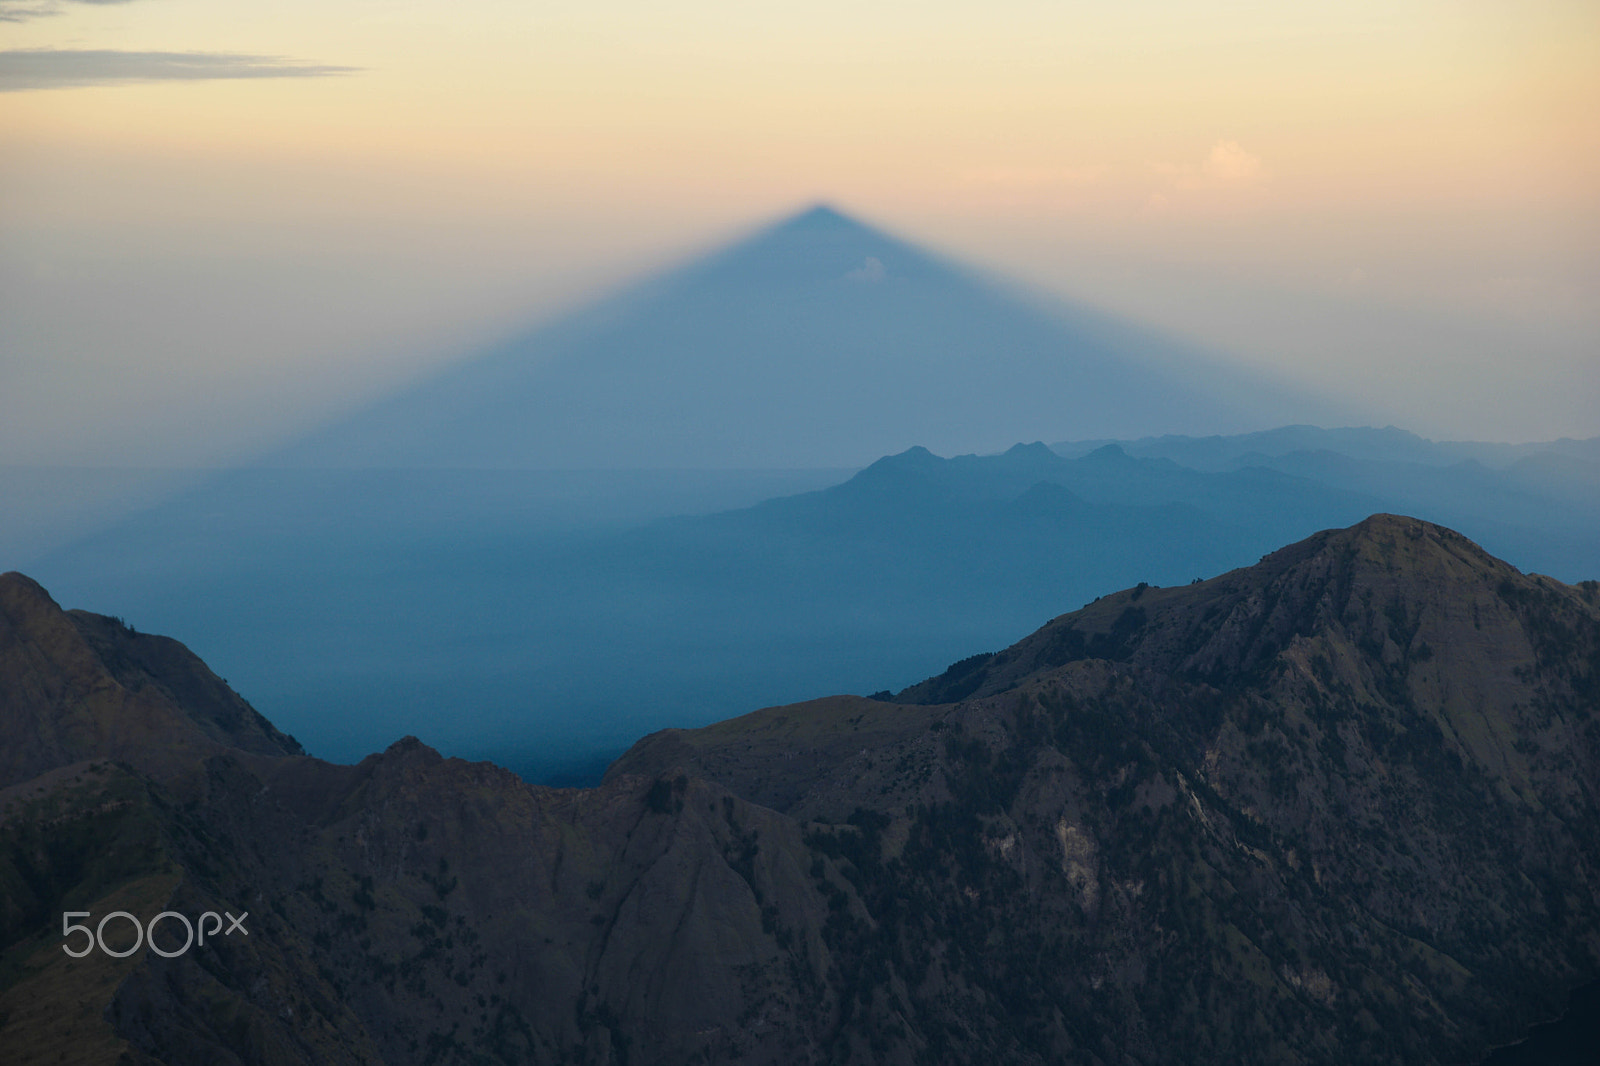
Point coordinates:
[(819, 341)]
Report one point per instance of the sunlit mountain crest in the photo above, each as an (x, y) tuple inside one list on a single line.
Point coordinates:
[(817, 341)]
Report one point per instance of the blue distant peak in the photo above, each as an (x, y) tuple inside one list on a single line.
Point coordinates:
[(913, 458), (1036, 450)]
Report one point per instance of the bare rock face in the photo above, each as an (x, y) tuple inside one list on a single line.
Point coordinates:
[(1341, 806)]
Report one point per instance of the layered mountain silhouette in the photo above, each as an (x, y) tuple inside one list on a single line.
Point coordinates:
[(1360, 443), (1535, 501), (1342, 805), (819, 341), (352, 604), (424, 553)]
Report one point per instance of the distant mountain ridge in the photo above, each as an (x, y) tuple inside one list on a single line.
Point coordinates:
[(1361, 443), (1537, 501), (1342, 805), (437, 586)]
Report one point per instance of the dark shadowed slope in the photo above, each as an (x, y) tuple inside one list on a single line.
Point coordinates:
[(75, 685), (817, 342), (1342, 806)]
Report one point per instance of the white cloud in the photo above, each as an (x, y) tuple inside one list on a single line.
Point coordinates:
[(1230, 163), (870, 271), (1227, 166)]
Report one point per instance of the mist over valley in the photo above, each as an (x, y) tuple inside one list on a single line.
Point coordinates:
[(808, 473)]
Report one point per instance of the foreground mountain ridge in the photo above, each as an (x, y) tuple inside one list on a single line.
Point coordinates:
[(77, 686), (1342, 805)]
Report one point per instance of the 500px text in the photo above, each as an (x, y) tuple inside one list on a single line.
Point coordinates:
[(97, 935)]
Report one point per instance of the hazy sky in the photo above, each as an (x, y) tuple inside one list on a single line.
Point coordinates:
[(222, 222)]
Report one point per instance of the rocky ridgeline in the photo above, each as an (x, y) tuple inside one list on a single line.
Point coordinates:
[(1340, 806)]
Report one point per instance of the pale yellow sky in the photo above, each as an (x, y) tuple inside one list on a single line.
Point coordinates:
[(1342, 191)]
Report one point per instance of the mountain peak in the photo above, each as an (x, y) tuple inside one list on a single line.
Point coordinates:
[(1382, 539), (18, 589), (1036, 450), (1389, 583), (79, 686), (914, 457), (1109, 453)]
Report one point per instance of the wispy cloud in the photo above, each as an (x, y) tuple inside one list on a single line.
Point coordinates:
[(1229, 162), (870, 271), (1227, 166), (26, 10), (52, 68)]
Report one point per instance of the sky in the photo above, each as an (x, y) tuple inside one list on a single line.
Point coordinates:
[(221, 224)]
